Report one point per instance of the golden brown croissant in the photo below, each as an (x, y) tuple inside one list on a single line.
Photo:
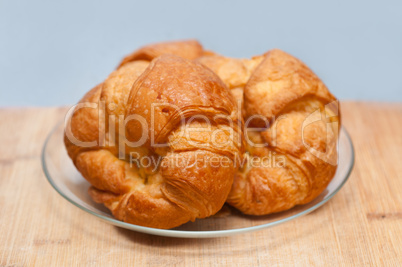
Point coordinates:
[(157, 99), (282, 94), (189, 49), (287, 110)]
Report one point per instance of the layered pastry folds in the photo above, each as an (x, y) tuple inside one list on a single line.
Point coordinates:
[(292, 123), (197, 121)]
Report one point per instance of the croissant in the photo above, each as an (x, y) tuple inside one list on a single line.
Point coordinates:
[(290, 107), (245, 112), (152, 103)]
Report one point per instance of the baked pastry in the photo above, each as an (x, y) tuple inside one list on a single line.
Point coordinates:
[(173, 104), (173, 187), (290, 107)]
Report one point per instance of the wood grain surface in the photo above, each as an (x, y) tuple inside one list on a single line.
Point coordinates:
[(361, 225)]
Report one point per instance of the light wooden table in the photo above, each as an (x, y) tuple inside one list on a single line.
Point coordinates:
[(361, 225)]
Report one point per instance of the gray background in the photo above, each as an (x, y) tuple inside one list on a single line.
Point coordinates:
[(51, 53)]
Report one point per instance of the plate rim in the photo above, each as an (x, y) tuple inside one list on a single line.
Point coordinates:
[(193, 234)]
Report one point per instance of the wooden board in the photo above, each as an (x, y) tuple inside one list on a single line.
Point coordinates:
[(361, 225)]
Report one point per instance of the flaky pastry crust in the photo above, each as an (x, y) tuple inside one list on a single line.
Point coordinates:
[(280, 95), (169, 194), (276, 95)]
